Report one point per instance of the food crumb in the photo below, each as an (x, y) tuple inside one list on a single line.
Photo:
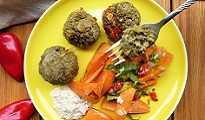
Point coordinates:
[(120, 100)]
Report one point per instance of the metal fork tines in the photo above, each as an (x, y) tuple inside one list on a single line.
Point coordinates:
[(117, 51), (113, 46)]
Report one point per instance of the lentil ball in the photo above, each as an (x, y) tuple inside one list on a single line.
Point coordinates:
[(58, 65), (81, 29), (119, 16)]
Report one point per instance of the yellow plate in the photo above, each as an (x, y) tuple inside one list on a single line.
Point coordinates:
[(48, 32)]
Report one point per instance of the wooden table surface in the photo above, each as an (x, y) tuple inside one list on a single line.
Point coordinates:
[(191, 23)]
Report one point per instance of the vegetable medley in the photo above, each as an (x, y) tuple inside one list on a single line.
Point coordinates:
[(123, 84), (133, 72)]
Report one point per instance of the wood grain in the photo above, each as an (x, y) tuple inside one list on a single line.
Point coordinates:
[(165, 4), (192, 26), (10, 89)]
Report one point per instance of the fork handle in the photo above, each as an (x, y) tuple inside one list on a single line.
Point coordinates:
[(182, 7)]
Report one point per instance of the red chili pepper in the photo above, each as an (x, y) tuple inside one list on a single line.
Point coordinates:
[(153, 96), (143, 69), (11, 55), (18, 110)]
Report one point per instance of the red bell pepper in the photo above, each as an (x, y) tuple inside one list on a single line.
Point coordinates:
[(18, 110), (11, 55)]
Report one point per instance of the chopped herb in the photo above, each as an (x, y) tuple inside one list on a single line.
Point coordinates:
[(139, 93), (152, 65), (142, 92), (130, 117), (133, 77), (111, 97), (136, 85), (114, 95), (154, 57), (148, 101), (124, 70), (122, 89), (112, 67)]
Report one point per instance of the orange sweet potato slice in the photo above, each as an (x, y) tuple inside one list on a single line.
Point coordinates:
[(106, 77), (122, 108), (97, 63), (109, 104), (94, 114), (97, 79), (151, 50), (137, 107), (88, 91), (148, 83)]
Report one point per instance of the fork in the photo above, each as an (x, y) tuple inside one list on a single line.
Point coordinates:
[(154, 27)]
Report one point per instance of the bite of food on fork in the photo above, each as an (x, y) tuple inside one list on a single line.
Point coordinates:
[(135, 40)]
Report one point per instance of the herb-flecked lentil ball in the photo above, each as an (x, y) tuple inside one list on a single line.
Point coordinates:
[(136, 40), (81, 29), (119, 16), (58, 65)]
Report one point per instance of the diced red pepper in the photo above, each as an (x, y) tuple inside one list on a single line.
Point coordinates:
[(116, 87), (94, 18), (153, 96), (136, 97), (111, 90), (114, 29), (117, 29), (141, 73), (112, 34), (107, 12), (145, 57), (143, 69)]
